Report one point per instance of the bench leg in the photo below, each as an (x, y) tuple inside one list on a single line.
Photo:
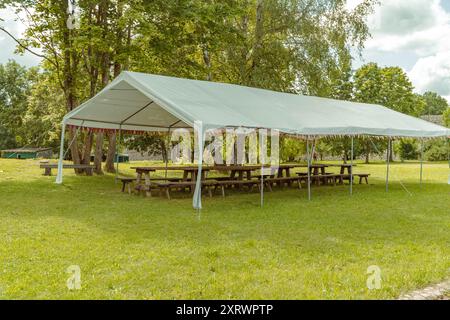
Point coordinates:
[(209, 192), (367, 180), (167, 192), (47, 172), (360, 180), (123, 186), (223, 191)]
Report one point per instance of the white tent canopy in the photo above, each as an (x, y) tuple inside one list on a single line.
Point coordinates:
[(145, 102), (138, 101)]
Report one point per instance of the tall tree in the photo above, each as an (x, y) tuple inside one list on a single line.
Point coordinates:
[(446, 117), (389, 87), (285, 45), (435, 104), (15, 86), (45, 110)]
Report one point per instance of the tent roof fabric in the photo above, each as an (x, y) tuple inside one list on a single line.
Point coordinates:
[(145, 102)]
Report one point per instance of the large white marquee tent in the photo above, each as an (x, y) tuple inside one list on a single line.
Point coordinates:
[(145, 102)]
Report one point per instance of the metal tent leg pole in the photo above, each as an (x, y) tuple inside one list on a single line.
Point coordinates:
[(421, 161), (448, 158), (117, 154), (197, 200), (262, 185), (309, 168), (388, 162), (351, 169), (59, 177), (167, 153)]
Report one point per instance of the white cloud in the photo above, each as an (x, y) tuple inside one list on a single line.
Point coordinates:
[(419, 25), (414, 34), (432, 73), (13, 25)]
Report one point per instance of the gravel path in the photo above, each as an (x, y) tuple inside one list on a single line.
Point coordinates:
[(440, 291)]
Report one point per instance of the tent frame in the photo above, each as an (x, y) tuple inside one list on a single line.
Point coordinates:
[(180, 99)]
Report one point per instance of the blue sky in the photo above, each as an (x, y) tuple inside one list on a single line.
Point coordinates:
[(412, 34)]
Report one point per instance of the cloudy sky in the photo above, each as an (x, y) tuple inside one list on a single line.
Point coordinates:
[(412, 34)]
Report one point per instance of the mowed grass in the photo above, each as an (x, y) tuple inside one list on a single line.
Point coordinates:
[(131, 247)]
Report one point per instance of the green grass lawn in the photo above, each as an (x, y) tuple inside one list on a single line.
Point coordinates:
[(131, 247)]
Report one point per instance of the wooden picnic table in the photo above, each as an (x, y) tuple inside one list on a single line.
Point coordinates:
[(146, 173), (343, 167), (315, 170), (237, 172), (246, 170), (189, 172)]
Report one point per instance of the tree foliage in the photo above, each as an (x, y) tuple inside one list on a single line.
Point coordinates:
[(299, 46), (446, 117), (435, 104), (15, 85)]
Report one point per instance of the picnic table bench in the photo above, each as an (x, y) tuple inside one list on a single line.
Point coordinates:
[(336, 178), (49, 166), (238, 176), (209, 186)]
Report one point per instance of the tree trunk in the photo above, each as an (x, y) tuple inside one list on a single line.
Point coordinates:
[(259, 35), (164, 152), (74, 146), (71, 60), (110, 155), (88, 140), (207, 61), (98, 157), (367, 152)]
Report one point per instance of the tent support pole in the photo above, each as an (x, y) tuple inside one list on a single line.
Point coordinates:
[(421, 161), (309, 167), (117, 153), (262, 185), (59, 177), (448, 152), (167, 153), (197, 201), (388, 162), (448, 157), (351, 168)]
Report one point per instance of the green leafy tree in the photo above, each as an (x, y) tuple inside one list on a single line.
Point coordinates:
[(290, 149), (446, 117), (294, 45), (15, 84), (44, 112), (435, 104), (407, 149), (150, 143), (389, 87), (436, 150), (342, 147)]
